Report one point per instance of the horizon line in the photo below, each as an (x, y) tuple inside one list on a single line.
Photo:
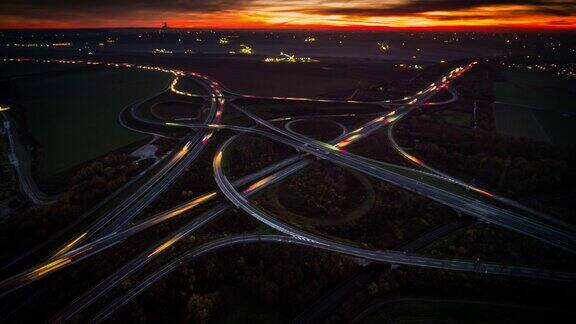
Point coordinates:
[(464, 28)]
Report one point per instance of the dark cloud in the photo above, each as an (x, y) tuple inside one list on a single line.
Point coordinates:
[(415, 7), (84, 11), (74, 8)]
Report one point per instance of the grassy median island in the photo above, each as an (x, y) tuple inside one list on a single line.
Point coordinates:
[(270, 109), (173, 110), (319, 129), (190, 85), (250, 153), (74, 116), (331, 201)]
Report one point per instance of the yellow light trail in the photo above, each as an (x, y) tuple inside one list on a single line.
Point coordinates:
[(218, 158), (186, 207), (58, 263), (353, 137), (4, 108), (259, 184), (70, 245), (165, 245), (49, 267)]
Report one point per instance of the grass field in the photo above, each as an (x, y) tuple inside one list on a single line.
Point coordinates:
[(458, 310), (18, 69), (172, 110), (514, 122), (559, 127), (457, 118), (190, 85), (281, 198), (6, 177), (536, 105), (536, 89), (74, 116)]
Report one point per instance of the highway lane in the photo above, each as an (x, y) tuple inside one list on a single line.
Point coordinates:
[(96, 246), (321, 152), (102, 222), (304, 145), (382, 102), (419, 99), (531, 225), (469, 205), (80, 237), (21, 166), (72, 254), (291, 165), (182, 260), (434, 235), (191, 147), (137, 263), (223, 92), (369, 127), (326, 304), (136, 198), (246, 239), (157, 249), (393, 257), (144, 195), (188, 154), (40, 249), (185, 258), (231, 94), (472, 206), (418, 162)]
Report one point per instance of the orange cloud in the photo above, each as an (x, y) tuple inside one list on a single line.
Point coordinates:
[(361, 14)]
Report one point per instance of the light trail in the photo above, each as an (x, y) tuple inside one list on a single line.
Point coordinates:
[(70, 245), (357, 134), (165, 245), (49, 267)]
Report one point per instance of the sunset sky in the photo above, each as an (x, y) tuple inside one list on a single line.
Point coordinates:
[(366, 14)]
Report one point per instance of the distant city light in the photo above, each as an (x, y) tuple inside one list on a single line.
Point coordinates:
[(410, 66), (246, 50), (384, 47), (289, 58), (161, 51)]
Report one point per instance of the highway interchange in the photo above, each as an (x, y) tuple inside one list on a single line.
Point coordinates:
[(117, 224)]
